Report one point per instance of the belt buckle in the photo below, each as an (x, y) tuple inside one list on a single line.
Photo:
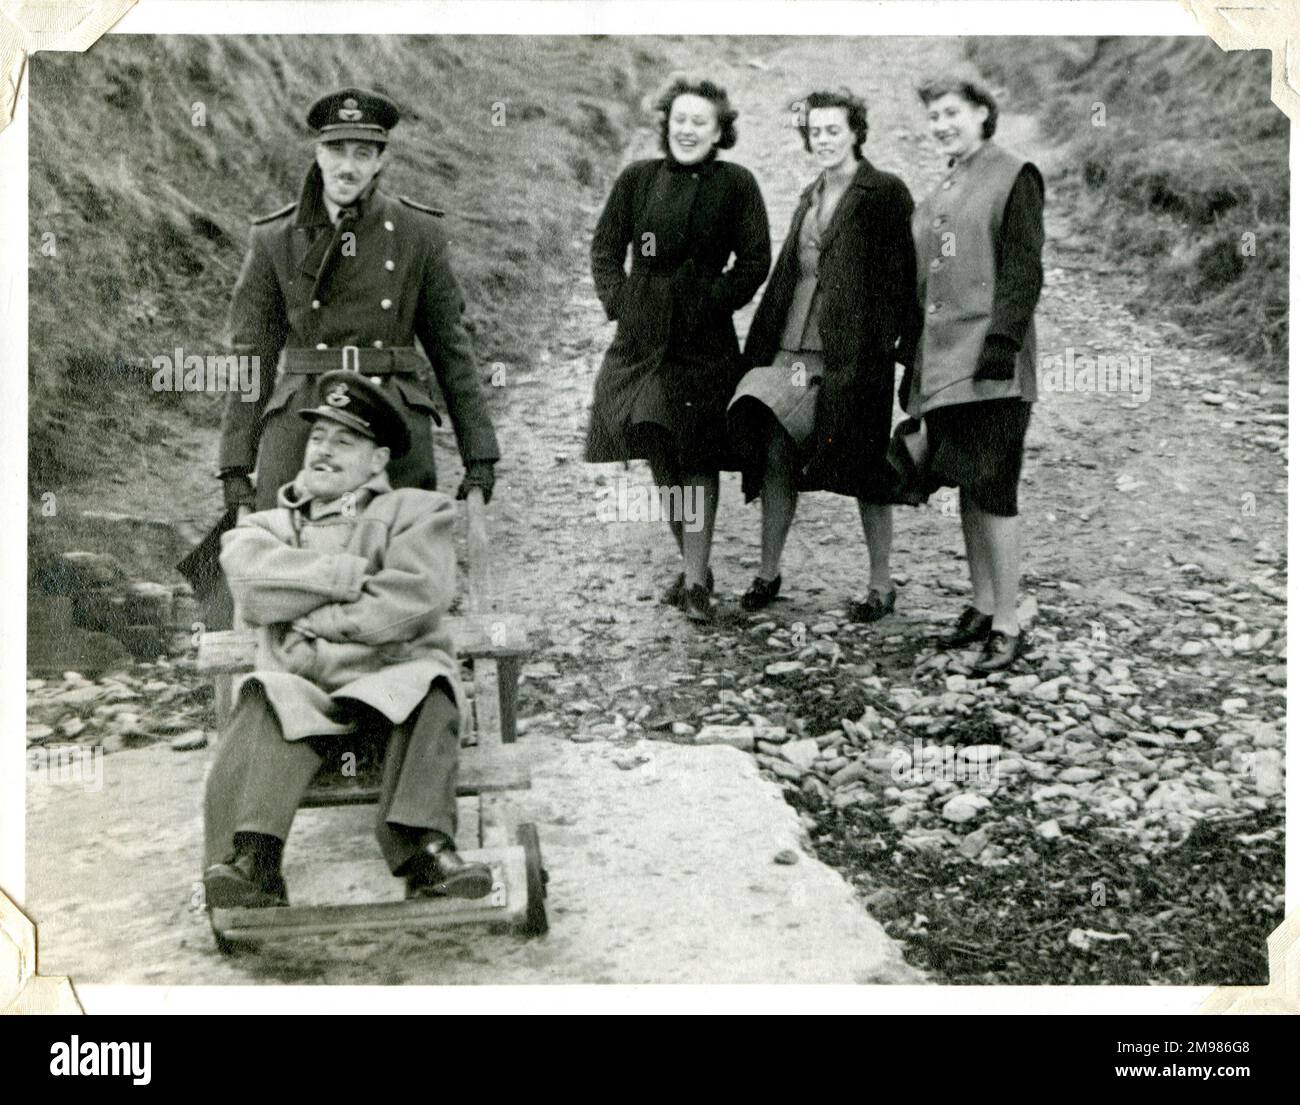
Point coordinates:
[(356, 358)]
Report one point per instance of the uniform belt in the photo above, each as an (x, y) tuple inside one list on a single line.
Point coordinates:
[(354, 358)]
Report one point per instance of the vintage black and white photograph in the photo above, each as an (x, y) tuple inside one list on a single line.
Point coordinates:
[(733, 507)]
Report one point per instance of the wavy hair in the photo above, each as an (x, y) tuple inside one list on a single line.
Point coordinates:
[(707, 90), (969, 90), (855, 108)]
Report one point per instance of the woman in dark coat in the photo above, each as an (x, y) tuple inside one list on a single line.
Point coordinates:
[(697, 231), (974, 378), (814, 411)]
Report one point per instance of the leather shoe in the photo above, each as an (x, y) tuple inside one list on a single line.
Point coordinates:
[(677, 591), (697, 604), (762, 592), (239, 884), (1000, 651), (875, 606), (972, 626), (437, 871)]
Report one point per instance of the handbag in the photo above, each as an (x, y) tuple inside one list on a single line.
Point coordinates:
[(909, 456)]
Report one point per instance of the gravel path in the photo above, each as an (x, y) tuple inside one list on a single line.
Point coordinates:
[(1153, 702)]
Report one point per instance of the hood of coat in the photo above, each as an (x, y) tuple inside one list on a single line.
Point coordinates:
[(295, 496)]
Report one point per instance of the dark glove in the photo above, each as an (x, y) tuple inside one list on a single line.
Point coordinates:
[(480, 474), (237, 488), (905, 387), (997, 358)]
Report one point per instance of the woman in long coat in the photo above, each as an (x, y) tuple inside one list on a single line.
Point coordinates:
[(697, 231), (814, 411), (974, 382)]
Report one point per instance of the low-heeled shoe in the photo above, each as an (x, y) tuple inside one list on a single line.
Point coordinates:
[(762, 592), (971, 627), (677, 589), (697, 604), (1000, 651), (875, 606)]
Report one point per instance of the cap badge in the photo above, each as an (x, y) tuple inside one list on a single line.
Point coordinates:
[(349, 111), (338, 396)]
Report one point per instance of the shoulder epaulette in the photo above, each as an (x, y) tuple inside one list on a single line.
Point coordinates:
[(437, 212), (275, 214)]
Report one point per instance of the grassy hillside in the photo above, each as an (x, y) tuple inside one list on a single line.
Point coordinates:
[(1191, 158), (149, 212)]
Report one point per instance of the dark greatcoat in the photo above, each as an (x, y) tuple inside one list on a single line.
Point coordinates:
[(867, 302), (683, 225), (304, 285)]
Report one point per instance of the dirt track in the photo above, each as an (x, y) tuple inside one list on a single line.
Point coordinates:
[(1120, 497)]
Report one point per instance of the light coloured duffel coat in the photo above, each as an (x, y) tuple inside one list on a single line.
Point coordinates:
[(348, 605)]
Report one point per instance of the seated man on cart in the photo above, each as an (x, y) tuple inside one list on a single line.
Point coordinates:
[(347, 582)]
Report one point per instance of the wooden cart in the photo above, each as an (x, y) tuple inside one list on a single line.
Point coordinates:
[(492, 645)]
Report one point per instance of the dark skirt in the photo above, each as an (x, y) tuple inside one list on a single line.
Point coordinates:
[(979, 447), (665, 425)]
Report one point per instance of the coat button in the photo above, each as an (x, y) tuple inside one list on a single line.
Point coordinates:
[(315, 304), (947, 184), (936, 264), (938, 222), (388, 224), (932, 308), (379, 345), (389, 265), (321, 345), (385, 303)]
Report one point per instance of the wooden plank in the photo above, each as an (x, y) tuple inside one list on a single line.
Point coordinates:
[(487, 703), (495, 821), (469, 833), (485, 768), (480, 769), (506, 904), (223, 692), (480, 582), (492, 635), (509, 668)]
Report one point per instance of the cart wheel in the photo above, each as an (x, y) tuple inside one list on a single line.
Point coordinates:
[(227, 946), (535, 923)]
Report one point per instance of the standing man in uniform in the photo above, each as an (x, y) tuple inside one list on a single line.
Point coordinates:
[(349, 278)]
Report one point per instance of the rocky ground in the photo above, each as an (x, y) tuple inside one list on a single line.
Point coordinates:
[(1108, 811)]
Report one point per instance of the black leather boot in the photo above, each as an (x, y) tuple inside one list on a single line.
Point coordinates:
[(249, 878), (437, 871)]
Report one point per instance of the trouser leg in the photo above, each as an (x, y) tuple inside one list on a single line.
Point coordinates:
[(257, 778), (418, 793)]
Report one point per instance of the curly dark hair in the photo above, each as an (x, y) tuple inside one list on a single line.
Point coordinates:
[(969, 90), (855, 109), (715, 94)]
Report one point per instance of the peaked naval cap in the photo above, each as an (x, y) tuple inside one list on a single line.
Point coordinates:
[(355, 401), (353, 113)]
